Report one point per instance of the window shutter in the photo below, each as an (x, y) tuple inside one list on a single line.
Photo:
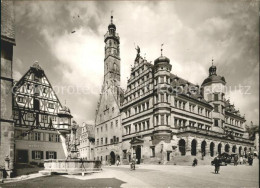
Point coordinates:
[(42, 155), (47, 155), (33, 154), (55, 155)]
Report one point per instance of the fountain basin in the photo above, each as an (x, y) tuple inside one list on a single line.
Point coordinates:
[(70, 166)]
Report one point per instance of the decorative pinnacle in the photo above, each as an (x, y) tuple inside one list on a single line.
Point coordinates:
[(212, 61), (161, 49)]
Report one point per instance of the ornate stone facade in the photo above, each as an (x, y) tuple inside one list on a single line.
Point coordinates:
[(163, 118)]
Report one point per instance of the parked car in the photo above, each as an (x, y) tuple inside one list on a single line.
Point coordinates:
[(225, 159), (223, 163)]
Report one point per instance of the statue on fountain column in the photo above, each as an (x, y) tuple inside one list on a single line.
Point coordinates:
[(72, 144)]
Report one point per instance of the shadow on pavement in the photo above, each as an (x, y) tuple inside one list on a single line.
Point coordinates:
[(60, 181)]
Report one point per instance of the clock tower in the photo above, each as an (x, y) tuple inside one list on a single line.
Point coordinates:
[(112, 57)]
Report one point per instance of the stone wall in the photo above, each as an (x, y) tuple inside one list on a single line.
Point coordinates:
[(6, 114)]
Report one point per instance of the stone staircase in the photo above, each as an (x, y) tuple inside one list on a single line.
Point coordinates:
[(188, 160)]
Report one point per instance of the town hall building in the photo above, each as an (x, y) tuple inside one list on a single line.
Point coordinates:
[(162, 118)]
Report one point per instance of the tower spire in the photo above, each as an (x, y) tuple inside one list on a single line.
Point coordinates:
[(212, 61)]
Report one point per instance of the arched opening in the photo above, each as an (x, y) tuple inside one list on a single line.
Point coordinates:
[(112, 158), (194, 147), (219, 148), (234, 148), (212, 146), (240, 150), (227, 147), (182, 146), (203, 148)]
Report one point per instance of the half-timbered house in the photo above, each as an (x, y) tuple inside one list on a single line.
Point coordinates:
[(39, 118)]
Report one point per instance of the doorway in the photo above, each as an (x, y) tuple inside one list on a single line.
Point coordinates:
[(203, 148), (169, 155), (182, 147), (22, 156), (212, 146), (138, 154), (112, 158), (194, 147)]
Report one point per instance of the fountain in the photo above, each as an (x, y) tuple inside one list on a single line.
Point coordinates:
[(72, 164)]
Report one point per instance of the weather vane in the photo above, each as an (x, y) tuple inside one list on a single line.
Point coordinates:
[(161, 49), (111, 16)]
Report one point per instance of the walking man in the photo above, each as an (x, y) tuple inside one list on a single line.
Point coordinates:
[(235, 160), (217, 164)]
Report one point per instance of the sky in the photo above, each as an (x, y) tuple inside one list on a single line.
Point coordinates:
[(193, 33)]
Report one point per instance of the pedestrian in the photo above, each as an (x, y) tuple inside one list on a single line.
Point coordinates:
[(132, 164), (195, 162), (250, 160), (235, 160), (117, 162), (241, 159), (217, 164)]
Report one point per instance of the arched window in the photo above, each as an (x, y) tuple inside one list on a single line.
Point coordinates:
[(234, 148), (227, 148)]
